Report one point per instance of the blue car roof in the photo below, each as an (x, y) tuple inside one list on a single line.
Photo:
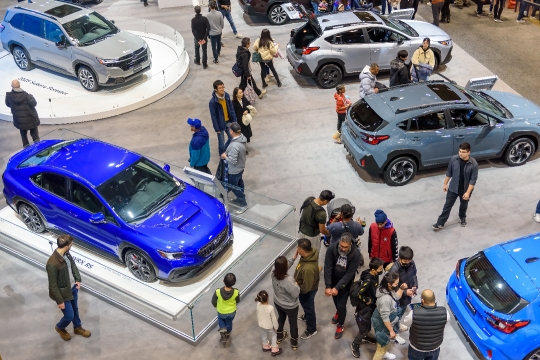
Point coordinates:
[(92, 160)]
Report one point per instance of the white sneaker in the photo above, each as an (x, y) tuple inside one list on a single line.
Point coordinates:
[(537, 218), (389, 356), (400, 340), (238, 36), (498, 20), (263, 92), (520, 21), (403, 327)]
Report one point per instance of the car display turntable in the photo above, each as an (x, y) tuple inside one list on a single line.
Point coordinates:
[(62, 100)]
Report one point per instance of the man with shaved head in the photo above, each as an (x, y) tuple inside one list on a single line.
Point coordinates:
[(426, 321), (23, 109)]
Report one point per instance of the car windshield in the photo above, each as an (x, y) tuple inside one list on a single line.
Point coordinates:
[(43, 155), (490, 287), (139, 190), (485, 102), (399, 26), (89, 29), (364, 116)]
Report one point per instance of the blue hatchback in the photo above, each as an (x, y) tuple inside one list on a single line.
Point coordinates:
[(495, 298), (119, 203)]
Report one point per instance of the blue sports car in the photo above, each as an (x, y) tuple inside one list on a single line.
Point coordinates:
[(120, 203), (495, 298)]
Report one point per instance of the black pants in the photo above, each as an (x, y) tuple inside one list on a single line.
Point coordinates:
[(203, 169), (292, 314), (340, 301), (445, 11), (24, 136), (204, 52), (266, 67), (415, 7), (479, 6), (244, 82), (363, 320), (497, 11), (451, 198), (340, 120), (436, 10)]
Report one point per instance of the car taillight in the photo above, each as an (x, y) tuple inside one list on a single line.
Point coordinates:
[(309, 50), (458, 269), (490, 354), (506, 326), (374, 139), (299, 69), (363, 163)]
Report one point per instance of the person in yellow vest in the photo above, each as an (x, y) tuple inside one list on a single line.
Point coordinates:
[(225, 300)]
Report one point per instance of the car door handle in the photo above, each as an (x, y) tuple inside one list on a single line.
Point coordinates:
[(35, 194), (460, 136), (73, 214), (374, 50), (415, 139), (47, 45)]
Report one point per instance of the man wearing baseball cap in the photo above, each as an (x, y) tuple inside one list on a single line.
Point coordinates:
[(236, 157), (199, 146)]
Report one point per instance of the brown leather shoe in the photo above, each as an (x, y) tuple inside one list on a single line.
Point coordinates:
[(63, 334), (82, 332)]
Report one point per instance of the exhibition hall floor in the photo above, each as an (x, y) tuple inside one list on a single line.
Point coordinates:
[(291, 156)]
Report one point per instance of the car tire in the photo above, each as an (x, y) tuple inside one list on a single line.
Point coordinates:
[(31, 218), (534, 355), (87, 78), (277, 16), (98, 1), (519, 151), (400, 171), (22, 59), (437, 61), (140, 266), (329, 76)]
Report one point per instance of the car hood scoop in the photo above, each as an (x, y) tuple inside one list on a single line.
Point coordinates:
[(174, 216)]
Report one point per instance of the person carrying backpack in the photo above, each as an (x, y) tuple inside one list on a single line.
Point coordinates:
[(364, 297), (313, 218)]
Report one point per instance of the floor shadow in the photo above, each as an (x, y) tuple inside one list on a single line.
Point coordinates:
[(262, 20)]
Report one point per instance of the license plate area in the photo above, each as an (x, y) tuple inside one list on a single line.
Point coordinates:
[(470, 306), (137, 68)]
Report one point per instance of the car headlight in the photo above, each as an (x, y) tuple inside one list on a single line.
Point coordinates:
[(106, 61), (170, 255), (445, 42)]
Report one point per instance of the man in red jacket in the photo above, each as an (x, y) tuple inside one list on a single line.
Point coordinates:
[(382, 240)]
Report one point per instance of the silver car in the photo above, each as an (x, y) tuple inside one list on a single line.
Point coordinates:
[(73, 40), (329, 47)]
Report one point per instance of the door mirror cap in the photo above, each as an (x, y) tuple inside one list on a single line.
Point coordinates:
[(167, 168), (400, 41), (492, 123), (62, 44), (98, 218)]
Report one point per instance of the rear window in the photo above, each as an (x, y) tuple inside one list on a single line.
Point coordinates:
[(62, 10), (365, 117), (444, 92), (490, 287), (43, 155), (16, 21)]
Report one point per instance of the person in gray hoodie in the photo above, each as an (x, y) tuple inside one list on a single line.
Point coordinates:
[(368, 80), (385, 319), (235, 155), (286, 292), (215, 18)]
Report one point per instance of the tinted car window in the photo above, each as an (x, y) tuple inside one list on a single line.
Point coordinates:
[(53, 32), (403, 125), (399, 25), (53, 183), (41, 156), (434, 121), (468, 118), (84, 198), (365, 117), (379, 34), (33, 25), (16, 21), (350, 37)]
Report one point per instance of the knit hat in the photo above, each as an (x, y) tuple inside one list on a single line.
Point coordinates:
[(196, 123), (380, 217)]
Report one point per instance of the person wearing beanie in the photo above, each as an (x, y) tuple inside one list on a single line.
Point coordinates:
[(199, 146), (382, 239), (235, 155)]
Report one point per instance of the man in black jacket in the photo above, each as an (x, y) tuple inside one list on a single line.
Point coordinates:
[(243, 57), (367, 296), (406, 269), (200, 27), (340, 265), (23, 109), (400, 73)]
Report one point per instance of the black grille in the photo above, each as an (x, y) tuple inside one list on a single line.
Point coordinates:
[(215, 243), (132, 60)]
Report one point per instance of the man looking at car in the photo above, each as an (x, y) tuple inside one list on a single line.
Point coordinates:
[(200, 27), (400, 73), (64, 285), (236, 158), (222, 113), (463, 170), (23, 109)]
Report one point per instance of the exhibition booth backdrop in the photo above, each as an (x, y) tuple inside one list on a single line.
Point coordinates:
[(183, 309)]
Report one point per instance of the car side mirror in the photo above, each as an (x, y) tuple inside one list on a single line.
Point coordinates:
[(112, 21), (98, 218), (400, 41), (492, 123), (167, 168), (62, 44)]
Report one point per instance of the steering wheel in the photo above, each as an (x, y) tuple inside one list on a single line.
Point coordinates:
[(141, 184), (95, 27)]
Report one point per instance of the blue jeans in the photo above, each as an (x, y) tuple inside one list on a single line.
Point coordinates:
[(423, 355), (215, 40), (71, 312), (227, 15), (225, 321), (315, 7), (307, 301), (384, 4), (238, 187), (522, 8), (221, 140)]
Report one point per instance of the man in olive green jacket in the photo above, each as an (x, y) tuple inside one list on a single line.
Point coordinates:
[(64, 285), (306, 276)]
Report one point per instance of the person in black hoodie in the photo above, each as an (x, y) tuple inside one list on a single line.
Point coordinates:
[(400, 73), (340, 264), (367, 296), (23, 109), (406, 269), (200, 27), (243, 57)]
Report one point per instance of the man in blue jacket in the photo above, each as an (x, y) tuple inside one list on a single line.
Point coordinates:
[(222, 114), (199, 146)]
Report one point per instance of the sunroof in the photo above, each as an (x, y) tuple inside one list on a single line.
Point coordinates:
[(62, 10), (444, 92), (365, 16)]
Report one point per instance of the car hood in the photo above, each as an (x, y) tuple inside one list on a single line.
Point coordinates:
[(425, 29), (113, 47), (187, 223), (520, 107)]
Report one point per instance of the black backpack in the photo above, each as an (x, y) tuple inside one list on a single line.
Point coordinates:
[(305, 204), (354, 292)]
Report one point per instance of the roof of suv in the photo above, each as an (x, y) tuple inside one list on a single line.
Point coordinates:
[(61, 11), (346, 18)]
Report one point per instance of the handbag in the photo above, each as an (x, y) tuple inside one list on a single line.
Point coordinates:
[(252, 110), (256, 57), (250, 93), (246, 119), (237, 69)]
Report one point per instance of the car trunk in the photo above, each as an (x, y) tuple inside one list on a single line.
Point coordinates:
[(303, 36)]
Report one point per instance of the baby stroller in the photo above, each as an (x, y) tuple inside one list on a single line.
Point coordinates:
[(334, 209)]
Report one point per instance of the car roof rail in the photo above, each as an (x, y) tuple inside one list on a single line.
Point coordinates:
[(338, 26), (34, 11), (424, 106)]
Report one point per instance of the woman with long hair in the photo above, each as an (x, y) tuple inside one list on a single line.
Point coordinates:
[(286, 293), (266, 47), (240, 104)]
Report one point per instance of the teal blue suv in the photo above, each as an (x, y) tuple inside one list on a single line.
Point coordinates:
[(407, 128)]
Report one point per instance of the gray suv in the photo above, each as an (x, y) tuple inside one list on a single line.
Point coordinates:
[(75, 41), (329, 47), (421, 125)]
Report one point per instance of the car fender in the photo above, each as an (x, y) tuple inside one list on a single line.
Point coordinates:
[(17, 200), (534, 136), (78, 62), (417, 157), (124, 245), (274, 2), (323, 62), (12, 44)]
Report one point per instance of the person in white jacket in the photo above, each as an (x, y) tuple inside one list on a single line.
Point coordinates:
[(266, 317), (266, 47), (368, 80)]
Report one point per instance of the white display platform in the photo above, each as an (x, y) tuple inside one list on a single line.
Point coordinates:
[(168, 298), (174, 3), (62, 99)]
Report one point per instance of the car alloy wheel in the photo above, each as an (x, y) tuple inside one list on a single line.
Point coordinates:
[(87, 78), (277, 15), (140, 266), (535, 355), (519, 152), (21, 58), (31, 218), (400, 171), (329, 76)]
